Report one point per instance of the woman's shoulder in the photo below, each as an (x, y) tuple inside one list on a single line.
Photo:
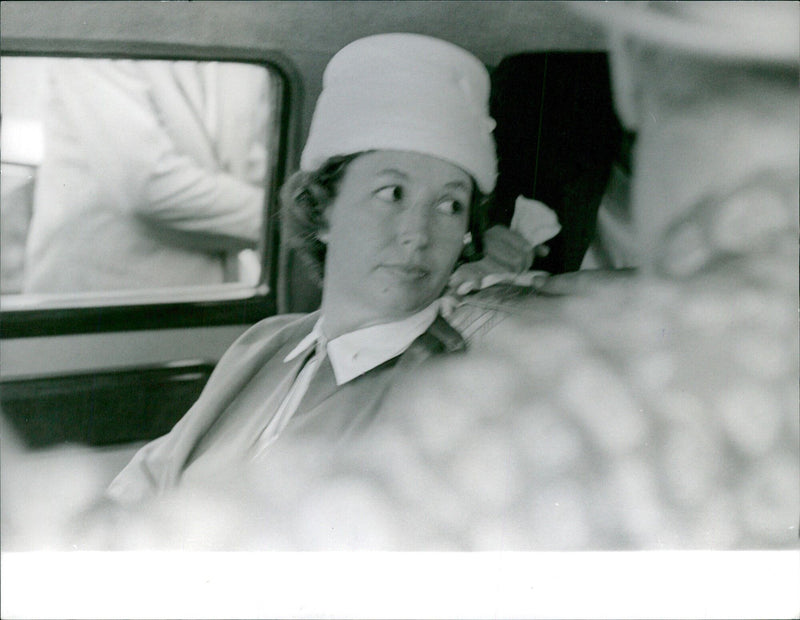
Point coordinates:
[(260, 341), (280, 324), (477, 313)]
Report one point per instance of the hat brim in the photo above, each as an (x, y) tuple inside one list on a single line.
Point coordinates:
[(776, 42)]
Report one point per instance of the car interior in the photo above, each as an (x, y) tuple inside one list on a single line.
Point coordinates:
[(76, 365)]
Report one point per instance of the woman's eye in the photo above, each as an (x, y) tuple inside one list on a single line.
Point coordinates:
[(390, 193), (450, 206)]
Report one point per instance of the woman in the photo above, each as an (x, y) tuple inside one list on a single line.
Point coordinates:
[(399, 153)]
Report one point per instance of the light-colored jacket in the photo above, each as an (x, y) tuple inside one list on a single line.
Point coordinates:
[(153, 174), (221, 431)]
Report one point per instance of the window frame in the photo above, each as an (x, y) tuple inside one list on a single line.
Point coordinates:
[(243, 305)]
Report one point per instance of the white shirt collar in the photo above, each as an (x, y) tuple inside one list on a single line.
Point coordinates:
[(359, 351)]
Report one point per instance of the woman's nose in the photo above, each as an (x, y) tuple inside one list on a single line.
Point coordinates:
[(414, 231)]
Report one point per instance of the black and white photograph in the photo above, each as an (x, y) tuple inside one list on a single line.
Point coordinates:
[(393, 309)]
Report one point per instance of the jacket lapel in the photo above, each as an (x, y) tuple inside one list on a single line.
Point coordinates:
[(233, 373), (358, 402), (440, 338)]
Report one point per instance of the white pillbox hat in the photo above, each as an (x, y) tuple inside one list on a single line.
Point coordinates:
[(405, 92)]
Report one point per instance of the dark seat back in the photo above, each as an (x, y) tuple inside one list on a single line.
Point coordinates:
[(557, 136)]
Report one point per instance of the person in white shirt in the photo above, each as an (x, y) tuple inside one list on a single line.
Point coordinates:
[(154, 174)]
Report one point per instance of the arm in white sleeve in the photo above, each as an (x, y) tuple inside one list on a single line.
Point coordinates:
[(138, 168)]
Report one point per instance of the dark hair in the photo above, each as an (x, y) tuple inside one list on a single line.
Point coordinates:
[(305, 196)]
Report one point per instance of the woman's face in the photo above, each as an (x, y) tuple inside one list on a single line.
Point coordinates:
[(396, 229)]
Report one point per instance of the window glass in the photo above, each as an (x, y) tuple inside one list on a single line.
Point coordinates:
[(134, 180)]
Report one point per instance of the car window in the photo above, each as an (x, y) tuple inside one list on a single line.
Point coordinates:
[(129, 181)]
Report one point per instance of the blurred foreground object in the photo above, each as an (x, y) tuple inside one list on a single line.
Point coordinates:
[(643, 414), (658, 411), (45, 491)]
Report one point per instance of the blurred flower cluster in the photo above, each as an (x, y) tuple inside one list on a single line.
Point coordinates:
[(638, 414)]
